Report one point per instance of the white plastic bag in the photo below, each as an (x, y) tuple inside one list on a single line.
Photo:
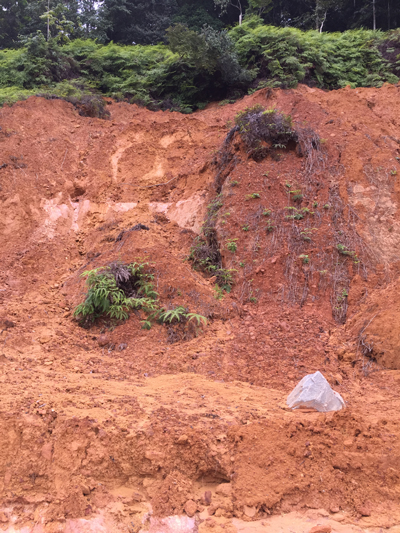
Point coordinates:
[(314, 391)]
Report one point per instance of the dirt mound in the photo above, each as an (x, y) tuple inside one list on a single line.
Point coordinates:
[(115, 428)]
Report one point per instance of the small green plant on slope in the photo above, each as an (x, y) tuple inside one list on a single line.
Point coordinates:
[(270, 227), (297, 214), (225, 278), (344, 251), (252, 196), (231, 245), (214, 206), (305, 258), (205, 256), (179, 314), (180, 323), (219, 293), (205, 252), (340, 306), (261, 85), (344, 294), (116, 289), (296, 195), (225, 102), (252, 293), (308, 233)]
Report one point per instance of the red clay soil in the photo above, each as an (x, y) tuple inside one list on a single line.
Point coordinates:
[(117, 428)]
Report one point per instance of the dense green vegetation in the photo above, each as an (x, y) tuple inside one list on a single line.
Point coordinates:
[(145, 21), (286, 56), (194, 67)]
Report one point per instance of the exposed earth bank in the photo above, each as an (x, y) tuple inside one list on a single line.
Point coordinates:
[(121, 428)]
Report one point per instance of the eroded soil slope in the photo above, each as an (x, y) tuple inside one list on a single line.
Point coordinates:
[(119, 428)]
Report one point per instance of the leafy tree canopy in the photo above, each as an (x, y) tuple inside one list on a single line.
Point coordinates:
[(146, 21)]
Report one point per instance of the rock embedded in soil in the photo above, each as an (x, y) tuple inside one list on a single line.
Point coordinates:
[(224, 489), (102, 340), (250, 512), (190, 508), (47, 451), (85, 490), (364, 510), (212, 508), (338, 517), (203, 515), (6, 324), (207, 498), (320, 529)]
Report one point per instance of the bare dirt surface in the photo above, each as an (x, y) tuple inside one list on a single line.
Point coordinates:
[(120, 429)]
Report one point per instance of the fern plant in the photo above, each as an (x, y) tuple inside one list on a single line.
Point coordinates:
[(180, 314), (103, 297), (181, 323), (173, 315), (115, 290), (199, 319)]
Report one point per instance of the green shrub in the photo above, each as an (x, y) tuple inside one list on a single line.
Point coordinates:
[(80, 94), (114, 290), (264, 129), (10, 95), (284, 57), (205, 256)]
